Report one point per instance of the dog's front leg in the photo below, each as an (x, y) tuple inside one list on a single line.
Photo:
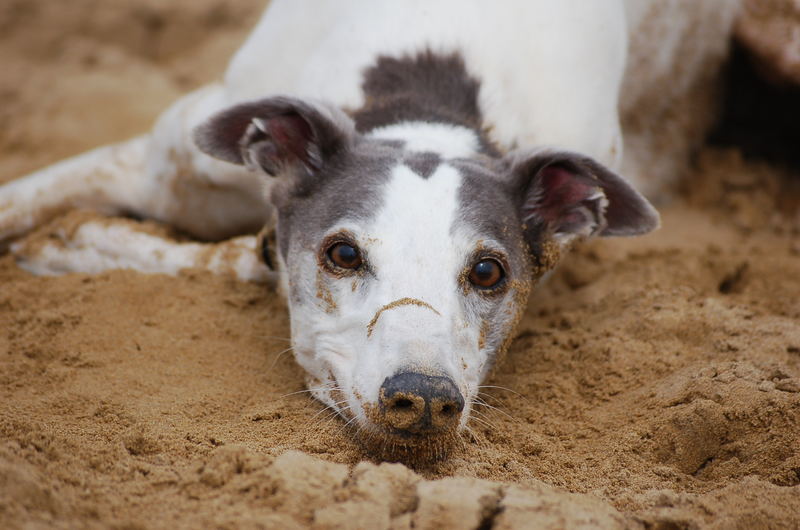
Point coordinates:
[(161, 176), (103, 179), (88, 242)]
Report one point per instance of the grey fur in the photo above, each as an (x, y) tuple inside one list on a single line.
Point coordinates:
[(423, 164), (348, 187), (425, 87)]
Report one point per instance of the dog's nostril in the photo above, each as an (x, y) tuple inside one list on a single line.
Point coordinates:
[(403, 404), (402, 410), (449, 410)]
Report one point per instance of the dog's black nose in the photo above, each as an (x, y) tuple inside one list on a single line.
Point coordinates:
[(419, 403)]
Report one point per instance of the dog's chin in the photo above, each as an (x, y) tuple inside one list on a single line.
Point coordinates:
[(383, 443), (413, 449)]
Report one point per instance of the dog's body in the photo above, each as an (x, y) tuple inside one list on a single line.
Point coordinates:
[(410, 227)]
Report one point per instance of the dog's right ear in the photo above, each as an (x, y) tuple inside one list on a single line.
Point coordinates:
[(276, 134)]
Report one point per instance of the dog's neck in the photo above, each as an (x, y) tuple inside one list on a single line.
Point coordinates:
[(424, 96)]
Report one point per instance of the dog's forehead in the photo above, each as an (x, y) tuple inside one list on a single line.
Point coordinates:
[(384, 188), (425, 196), (419, 206)]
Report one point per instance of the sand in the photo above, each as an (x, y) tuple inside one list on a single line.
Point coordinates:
[(653, 382)]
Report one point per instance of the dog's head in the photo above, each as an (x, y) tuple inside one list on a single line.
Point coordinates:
[(407, 256)]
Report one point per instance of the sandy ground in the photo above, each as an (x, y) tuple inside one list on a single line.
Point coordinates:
[(653, 383)]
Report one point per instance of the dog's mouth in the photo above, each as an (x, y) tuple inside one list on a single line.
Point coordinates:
[(396, 436), (422, 445), (413, 450), (402, 425)]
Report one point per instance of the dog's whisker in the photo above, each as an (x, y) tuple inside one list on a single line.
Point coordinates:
[(478, 440), (484, 396), (278, 356), (500, 388), (483, 422), (314, 425), (478, 412), (351, 420), (330, 417), (335, 411), (320, 411), (492, 408), (477, 400), (309, 390), (327, 407)]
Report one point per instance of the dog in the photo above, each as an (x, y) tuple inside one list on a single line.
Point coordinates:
[(415, 167)]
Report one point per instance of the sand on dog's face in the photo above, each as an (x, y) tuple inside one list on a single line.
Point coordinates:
[(656, 379)]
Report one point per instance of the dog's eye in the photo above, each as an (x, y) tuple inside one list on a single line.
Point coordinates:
[(486, 274), (345, 256), (265, 254)]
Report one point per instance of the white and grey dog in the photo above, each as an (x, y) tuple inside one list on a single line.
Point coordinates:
[(418, 165)]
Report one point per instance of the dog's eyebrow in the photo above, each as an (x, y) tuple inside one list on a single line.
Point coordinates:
[(397, 303)]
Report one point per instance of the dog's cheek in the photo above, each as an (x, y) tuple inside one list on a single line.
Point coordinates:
[(495, 321)]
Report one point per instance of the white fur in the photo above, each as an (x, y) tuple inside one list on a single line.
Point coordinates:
[(550, 71), (97, 246), (447, 140), (670, 93), (99, 179)]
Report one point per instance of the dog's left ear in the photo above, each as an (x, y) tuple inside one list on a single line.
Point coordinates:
[(564, 195), (276, 134)]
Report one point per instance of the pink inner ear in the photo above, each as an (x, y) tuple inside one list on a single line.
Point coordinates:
[(560, 190), (291, 134)]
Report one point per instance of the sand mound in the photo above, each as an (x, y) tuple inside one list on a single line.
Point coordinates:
[(653, 383)]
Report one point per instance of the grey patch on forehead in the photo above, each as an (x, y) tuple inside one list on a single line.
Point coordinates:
[(485, 201), (423, 164), (425, 86), (348, 187)]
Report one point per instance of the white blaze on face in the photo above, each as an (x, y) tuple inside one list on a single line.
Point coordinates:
[(416, 254)]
